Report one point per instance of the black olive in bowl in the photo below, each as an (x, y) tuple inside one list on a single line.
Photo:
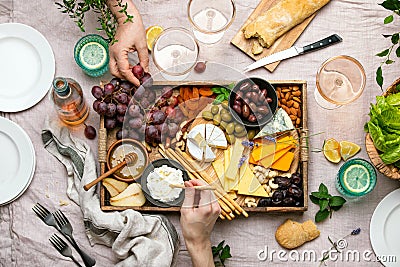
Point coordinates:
[(253, 102)]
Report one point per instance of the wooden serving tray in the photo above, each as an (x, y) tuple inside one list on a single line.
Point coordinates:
[(284, 42), (106, 139)]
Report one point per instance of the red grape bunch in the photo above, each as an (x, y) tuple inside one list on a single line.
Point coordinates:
[(161, 120)]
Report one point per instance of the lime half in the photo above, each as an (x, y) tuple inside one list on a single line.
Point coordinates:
[(356, 178), (93, 55)]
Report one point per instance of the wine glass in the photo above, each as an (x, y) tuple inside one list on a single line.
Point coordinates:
[(175, 53), (340, 80), (210, 18)]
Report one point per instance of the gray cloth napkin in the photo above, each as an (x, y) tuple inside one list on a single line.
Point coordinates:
[(137, 239)]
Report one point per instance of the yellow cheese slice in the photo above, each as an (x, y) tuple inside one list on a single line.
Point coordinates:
[(283, 164), (227, 157), (269, 160), (218, 166), (249, 184), (237, 152)]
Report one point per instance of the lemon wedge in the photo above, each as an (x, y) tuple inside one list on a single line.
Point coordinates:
[(331, 149), (348, 149)]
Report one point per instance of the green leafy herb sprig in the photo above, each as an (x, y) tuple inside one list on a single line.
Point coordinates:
[(222, 93), (394, 6), (327, 203), (222, 252), (77, 9)]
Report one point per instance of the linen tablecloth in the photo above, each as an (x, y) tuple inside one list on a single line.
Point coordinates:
[(23, 239)]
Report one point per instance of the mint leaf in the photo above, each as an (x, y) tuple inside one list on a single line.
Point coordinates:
[(321, 215), (398, 51), (322, 188), (323, 204), (388, 19), (336, 201), (216, 90), (314, 199), (320, 195)]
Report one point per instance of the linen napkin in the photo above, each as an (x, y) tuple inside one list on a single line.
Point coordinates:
[(137, 239)]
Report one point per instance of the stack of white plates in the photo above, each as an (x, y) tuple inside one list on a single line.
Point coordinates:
[(17, 161)]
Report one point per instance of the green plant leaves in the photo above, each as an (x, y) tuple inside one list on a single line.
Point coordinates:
[(321, 215), (388, 19), (391, 4), (395, 38), (379, 77), (384, 53), (336, 201), (222, 93), (326, 202), (222, 252)]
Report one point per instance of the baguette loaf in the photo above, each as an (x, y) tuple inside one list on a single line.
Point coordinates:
[(280, 19)]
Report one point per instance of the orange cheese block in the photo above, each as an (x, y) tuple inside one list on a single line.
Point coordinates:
[(267, 149), (283, 164), (269, 160), (251, 160)]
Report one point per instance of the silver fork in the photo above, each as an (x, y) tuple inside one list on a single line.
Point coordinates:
[(62, 247), (66, 228)]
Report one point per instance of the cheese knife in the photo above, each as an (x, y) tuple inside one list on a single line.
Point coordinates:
[(294, 51)]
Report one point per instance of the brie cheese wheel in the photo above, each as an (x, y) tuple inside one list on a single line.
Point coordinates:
[(213, 137)]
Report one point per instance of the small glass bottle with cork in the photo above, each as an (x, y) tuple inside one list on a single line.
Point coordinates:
[(67, 97)]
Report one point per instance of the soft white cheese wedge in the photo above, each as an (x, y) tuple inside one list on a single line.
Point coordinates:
[(202, 138), (215, 137)]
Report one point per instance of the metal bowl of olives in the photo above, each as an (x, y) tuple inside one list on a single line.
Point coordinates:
[(253, 102)]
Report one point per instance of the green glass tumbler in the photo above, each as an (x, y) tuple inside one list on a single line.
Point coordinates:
[(91, 55), (356, 178)]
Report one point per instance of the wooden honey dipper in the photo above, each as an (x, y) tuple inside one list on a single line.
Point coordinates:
[(129, 160)]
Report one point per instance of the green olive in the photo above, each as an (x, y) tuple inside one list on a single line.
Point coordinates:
[(239, 128), (230, 138), (230, 128), (223, 125), (225, 104), (207, 115), (226, 117), (214, 110), (217, 119), (224, 111), (240, 134), (251, 134)]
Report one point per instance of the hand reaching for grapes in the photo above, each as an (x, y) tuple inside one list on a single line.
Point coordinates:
[(130, 36)]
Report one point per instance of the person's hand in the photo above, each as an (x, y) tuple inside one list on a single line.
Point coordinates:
[(130, 36), (199, 212)]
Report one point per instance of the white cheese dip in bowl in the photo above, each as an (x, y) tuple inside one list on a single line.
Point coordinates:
[(156, 180)]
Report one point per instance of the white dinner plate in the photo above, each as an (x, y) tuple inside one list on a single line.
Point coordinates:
[(385, 229), (17, 161), (27, 67)]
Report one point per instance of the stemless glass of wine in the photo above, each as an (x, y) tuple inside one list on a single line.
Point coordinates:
[(340, 80)]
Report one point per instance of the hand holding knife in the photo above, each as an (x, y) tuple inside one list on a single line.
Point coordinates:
[(294, 51)]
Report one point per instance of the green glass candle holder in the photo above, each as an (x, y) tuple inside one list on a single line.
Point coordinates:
[(91, 55)]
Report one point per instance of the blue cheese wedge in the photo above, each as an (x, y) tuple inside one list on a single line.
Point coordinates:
[(281, 122)]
